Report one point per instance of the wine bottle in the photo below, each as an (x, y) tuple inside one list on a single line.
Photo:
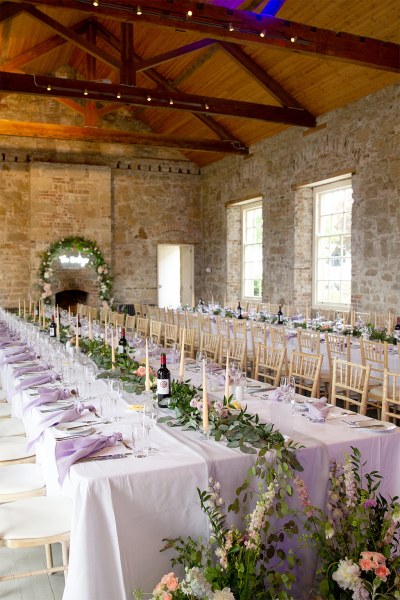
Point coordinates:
[(78, 325), (123, 343), (36, 310), (239, 309), (280, 315), (163, 382), (397, 331), (52, 328)]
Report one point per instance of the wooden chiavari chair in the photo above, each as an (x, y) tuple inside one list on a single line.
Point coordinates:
[(338, 346), (375, 354), (253, 305), (171, 333), (391, 397), (350, 384), (181, 320), (223, 327), (305, 368), (189, 342), (343, 315), (130, 323), (104, 313), (138, 309), (327, 314), (269, 363), (204, 323), (237, 352), (239, 328), (153, 313), (142, 326), (155, 331), (309, 342), (209, 343), (277, 336), (274, 308), (192, 322), (258, 335), (361, 317), (170, 317)]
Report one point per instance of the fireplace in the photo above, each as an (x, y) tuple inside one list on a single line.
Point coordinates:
[(71, 298)]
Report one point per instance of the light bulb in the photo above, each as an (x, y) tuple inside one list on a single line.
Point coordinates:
[(139, 11), (148, 98), (262, 33), (189, 13)]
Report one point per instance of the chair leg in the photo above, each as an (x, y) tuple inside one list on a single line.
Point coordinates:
[(49, 556), (64, 549)]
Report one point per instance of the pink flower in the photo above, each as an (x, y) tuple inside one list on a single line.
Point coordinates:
[(166, 596), (170, 581), (141, 372), (382, 572), (100, 269), (366, 564)]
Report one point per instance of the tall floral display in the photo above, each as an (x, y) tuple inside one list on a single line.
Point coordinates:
[(96, 260)]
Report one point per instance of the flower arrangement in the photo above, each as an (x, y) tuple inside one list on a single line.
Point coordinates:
[(238, 564), (96, 260), (357, 539), (237, 427)]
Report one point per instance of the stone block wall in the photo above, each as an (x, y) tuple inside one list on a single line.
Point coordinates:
[(363, 139)]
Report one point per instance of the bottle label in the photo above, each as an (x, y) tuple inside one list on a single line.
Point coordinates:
[(52, 332), (121, 349), (163, 386)]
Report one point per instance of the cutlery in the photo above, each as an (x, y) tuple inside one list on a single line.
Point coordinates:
[(103, 457), (373, 425)]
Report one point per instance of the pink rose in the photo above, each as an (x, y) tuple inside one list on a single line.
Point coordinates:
[(171, 582), (166, 596), (366, 564), (382, 572), (100, 269), (141, 371)]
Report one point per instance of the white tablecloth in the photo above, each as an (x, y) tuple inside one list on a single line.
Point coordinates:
[(123, 508)]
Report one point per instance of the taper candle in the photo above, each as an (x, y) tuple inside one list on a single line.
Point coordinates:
[(90, 327), (112, 350), (58, 323), (19, 307), (24, 309), (69, 316), (227, 376), (225, 301), (182, 363), (77, 331), (105, 331), (147, 380), (205, 399)]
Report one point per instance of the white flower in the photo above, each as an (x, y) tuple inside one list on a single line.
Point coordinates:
[(46, 275), (347, 575), (224, 594)]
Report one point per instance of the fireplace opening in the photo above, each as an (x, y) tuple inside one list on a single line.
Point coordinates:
[(71, 298)]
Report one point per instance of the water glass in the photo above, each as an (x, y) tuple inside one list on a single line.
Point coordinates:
[(139, 440)]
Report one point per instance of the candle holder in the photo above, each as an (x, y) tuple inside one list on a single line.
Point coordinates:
[(205, 434)]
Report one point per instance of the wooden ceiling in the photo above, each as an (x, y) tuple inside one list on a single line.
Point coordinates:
[(212, 82)]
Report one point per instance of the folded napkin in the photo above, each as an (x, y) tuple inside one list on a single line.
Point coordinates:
[(318, 410), (279, 394), (31, 369), (4, 342), (46, 420), (69, 451), (16, 349), (36, 380), (45, 396), (14, 358)]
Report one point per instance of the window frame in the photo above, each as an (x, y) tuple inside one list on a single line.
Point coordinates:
[(246, 207), (318, 188)]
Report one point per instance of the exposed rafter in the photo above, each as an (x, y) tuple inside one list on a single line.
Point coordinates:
[(71, 88), (90, 134), (8, 10), (162, 58), (243, 27)]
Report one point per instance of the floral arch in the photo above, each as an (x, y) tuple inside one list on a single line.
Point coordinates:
[(85, 247)]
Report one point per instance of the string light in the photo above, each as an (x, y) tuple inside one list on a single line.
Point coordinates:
[(262, 33), (95, 3), (148, 98), (139, 11), (118, 95), (293, 39), (231, 27), (49, 88), (85, 93), (189, 13), (206, 106), (171, 101)]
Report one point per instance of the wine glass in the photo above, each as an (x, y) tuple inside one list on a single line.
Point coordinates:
[(149, 416), (288, 387)]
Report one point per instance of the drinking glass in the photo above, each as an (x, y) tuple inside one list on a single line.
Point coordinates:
[(139, 440), (149, 417)]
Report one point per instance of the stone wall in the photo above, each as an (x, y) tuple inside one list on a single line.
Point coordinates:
[(126, 198), (363, 139)]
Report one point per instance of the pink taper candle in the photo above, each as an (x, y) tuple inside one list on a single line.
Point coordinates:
[(182, 363), (147, 380), (205, 399), (227, 375)]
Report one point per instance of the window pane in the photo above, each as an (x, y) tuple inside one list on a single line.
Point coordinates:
[(252, 251), (332, 260)]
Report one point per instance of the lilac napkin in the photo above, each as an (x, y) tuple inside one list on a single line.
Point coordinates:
[(17, 358), (17, 349), (318, 410), (45, 396), (69, 451), (31, 369), (278, 395), (54, 418), (4, 342), (37, 380)]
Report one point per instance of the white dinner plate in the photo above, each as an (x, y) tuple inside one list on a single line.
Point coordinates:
[(367, 425), (73, 428)]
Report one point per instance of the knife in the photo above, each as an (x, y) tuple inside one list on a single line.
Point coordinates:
[(357, 426), (103, 457)]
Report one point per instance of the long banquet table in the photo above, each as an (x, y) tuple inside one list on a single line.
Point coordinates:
[(122, 509)]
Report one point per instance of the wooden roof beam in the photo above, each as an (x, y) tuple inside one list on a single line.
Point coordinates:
[(242, 27), (72, 88), (69, 35), (9, 10), (91, 134), (167, 56), (259, 75)]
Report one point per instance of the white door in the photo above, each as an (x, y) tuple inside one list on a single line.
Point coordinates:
[(187, 274), (168, 275), (175, 274)]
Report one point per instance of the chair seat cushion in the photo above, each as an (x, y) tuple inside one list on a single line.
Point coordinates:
[(11, 427), (19, 479), (35, 518), (14, 448)]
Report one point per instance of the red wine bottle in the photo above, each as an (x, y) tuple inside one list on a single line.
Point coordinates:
[(52, 328), (123, 343), (163, 382), (280, 316)]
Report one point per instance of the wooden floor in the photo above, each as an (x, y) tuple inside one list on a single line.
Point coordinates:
[(40, 587)]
